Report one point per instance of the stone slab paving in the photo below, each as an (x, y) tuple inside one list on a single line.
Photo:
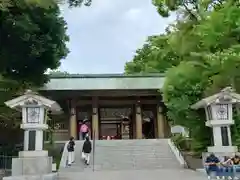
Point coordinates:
[(161, 174)]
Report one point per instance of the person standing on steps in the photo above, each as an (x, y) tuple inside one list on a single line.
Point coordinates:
[(70, 149), (86, 150), (84, 129)]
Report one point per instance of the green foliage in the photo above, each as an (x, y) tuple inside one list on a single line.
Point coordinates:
[(179, 141), (6, 4), (54, 152), (236, 128), (199, 56), (32, 40), (155, 56), (190, 9), (186, 78), (75, 3)]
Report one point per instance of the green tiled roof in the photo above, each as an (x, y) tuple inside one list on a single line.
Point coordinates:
[(104, 82)]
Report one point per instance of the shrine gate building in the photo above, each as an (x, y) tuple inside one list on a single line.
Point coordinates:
[(116, 105)]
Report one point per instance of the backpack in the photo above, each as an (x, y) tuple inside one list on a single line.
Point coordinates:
[(69, 146)]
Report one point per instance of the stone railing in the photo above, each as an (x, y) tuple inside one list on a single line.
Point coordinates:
[(177, 153), (63, 162)]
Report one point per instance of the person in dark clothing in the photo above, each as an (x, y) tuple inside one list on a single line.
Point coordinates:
[(211, 165), (70, 149), (86, 150)]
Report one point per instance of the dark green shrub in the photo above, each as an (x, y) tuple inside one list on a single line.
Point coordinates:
[(54, 152), (180, 142)]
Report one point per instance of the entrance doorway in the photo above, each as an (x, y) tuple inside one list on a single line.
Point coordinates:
[(84, 114), (149, 126), (115, 122)]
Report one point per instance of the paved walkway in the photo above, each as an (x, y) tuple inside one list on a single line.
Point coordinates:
[(161, 174)]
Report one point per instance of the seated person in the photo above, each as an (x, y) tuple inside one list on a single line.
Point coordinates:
[(211, 165), (226, 168), (236, 165), (236, 160)]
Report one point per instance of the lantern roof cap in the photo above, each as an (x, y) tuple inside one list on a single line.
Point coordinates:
[(33, 98), (226, 95)]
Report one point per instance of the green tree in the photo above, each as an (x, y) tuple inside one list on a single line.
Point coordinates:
[(6, 4), (156, 55), (189, 9), (32, 40), (75, 3), (206, 59)]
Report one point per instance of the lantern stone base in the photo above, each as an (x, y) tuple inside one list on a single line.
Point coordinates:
[(51, 176), (31, 166), (222, 149), (30, 154)]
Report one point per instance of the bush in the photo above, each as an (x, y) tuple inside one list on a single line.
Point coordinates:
[(181, 142), (54, 152)]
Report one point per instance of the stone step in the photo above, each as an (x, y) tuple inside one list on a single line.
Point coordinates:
[(126, 155), (97, 151), (152, 174), (133, 160), (131, 156), (130, 149), (133, 147)]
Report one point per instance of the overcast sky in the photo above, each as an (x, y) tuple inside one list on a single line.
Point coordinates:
[(106, 35)]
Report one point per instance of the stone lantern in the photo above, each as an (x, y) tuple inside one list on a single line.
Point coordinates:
[(33, 160), (218, 109)]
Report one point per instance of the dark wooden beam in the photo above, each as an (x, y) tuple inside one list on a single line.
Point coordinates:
[(114, 102)]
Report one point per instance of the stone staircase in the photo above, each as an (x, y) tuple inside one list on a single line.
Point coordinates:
[(125, 155), (128, 159)]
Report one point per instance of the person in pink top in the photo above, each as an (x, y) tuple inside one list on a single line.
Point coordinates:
[(84, 130)]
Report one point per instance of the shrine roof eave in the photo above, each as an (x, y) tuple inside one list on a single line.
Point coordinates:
[(105, 82)]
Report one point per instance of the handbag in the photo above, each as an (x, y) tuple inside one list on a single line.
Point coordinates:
[(83, 155)]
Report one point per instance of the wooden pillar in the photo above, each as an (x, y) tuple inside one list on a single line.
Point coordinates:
[(160, 122), (73, 120), (134, 127), (155, 125), (138, 122), (95, 121)]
